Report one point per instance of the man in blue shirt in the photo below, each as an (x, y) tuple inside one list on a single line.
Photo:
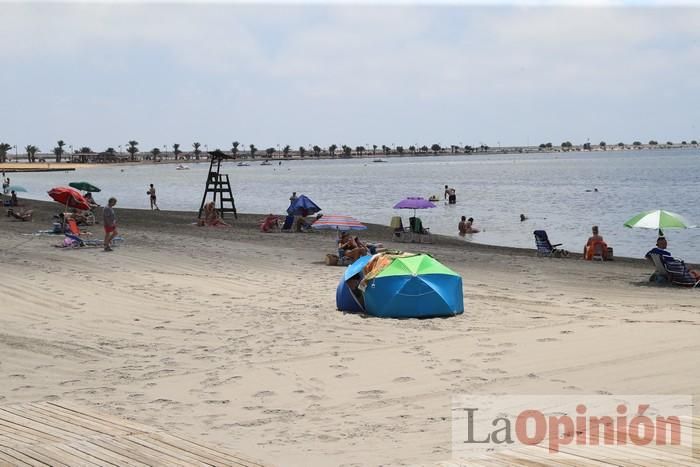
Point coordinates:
[(661, 245)]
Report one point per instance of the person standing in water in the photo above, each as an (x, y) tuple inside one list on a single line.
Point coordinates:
[(152, 196)]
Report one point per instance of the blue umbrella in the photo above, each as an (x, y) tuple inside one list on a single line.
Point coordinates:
[(302, 206), (415, 286)]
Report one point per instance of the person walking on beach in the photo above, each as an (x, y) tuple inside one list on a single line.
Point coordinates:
[(152, 194), (293, 198), (109, 221)]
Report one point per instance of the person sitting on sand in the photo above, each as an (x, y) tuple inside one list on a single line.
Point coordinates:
[(212, 217), (595, 243), (270, 222), (661, 250), (91, 201), (21, 215), (522, 218), (352, 248)]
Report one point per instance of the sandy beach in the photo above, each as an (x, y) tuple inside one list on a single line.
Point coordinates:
[(232, 337)]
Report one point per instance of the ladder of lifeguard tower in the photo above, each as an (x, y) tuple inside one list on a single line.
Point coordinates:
[(220, 185)]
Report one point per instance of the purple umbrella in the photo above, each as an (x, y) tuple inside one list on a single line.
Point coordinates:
[(414, 203)]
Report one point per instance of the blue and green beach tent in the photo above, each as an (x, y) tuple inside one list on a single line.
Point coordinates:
[(409, 286)]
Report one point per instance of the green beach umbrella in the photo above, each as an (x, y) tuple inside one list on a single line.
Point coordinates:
[(84, 186), (658, 220)]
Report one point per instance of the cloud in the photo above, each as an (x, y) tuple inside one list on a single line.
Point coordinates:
[(345, 71)]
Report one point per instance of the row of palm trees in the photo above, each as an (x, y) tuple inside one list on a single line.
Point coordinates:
[(86, 154)]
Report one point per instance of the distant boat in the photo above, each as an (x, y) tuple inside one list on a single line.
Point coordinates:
[(182, 167), (378, 160), (266, 163), (243, 164)]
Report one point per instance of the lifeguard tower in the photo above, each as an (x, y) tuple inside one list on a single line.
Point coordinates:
[(219, 185)]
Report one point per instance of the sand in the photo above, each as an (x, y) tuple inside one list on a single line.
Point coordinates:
[(232, 337)]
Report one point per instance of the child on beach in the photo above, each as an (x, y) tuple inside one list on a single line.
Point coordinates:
[(109, 220)]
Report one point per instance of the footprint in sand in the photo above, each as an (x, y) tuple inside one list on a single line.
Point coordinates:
[(371, 394), (547, 339), (264, 394), (403, 379)]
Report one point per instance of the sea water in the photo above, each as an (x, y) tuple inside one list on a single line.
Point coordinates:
[(556, 191)]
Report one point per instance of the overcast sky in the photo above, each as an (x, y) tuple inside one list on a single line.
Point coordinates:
[(101, 74)]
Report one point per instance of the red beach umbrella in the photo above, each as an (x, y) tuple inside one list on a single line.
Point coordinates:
[(69, 197)]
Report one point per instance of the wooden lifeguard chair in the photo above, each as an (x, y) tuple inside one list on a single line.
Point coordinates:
[(219, 185)]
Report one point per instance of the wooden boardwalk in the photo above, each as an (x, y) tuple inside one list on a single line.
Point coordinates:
[(60, 434)]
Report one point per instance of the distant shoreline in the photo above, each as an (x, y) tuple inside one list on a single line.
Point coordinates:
[(22, 165)]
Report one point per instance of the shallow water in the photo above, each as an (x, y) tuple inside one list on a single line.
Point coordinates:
[(551, 189)]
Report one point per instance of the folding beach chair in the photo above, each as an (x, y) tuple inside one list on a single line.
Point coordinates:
[(421, 234), (678, 272), (659, 275), (401, 234), (545, 248)]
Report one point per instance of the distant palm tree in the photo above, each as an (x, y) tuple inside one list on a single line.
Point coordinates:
[(253, 150), (602, 145), (196, 151), (31, 152), (399, 149), (58, 150), (317, 151), (176, 151), (132, 149), (302, 151), (270, 152), (154, 153), (234, 148), (4, 147), (286, 150), (374, 149), (412, 149), (435, 148), (331, 149)]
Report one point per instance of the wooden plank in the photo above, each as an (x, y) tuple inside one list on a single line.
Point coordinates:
[(206, 452), (73, 419), (24, 421), (117, 446), (102, 418), (165, 451), (19, 458), (67, 455), (37, 453), (10, 437), (14, 430), (94, 451)]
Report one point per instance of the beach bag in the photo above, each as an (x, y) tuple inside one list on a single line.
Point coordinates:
[(331, 260)]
